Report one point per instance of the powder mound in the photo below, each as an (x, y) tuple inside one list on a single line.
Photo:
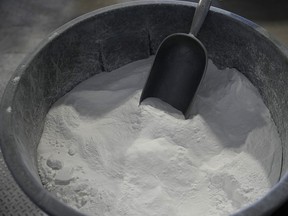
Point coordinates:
[(113, 157)]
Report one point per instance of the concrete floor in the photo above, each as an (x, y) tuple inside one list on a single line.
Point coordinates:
[(24, 23)]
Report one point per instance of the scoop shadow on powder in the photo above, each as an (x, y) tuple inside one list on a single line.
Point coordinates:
[(83, 108), (163, 106), (107, 95)]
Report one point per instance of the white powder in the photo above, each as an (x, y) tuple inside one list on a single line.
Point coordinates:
[(103, 154)]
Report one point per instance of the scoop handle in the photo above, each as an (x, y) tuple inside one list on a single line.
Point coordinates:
[(199, 16)]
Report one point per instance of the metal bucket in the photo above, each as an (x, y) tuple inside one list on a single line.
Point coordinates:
[(86, 46)]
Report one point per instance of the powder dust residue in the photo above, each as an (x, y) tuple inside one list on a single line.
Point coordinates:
[(103, 154)]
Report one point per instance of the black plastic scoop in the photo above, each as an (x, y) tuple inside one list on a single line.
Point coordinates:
[(179, 65)]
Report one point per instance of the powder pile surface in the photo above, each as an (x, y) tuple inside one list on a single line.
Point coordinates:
[(103, 154)]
